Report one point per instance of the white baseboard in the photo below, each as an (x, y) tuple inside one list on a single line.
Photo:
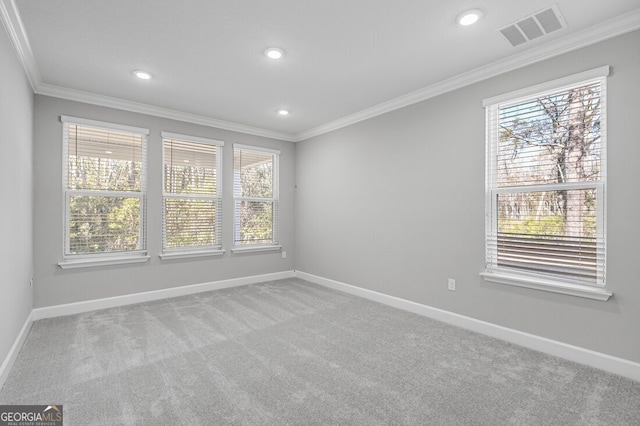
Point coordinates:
[(577, 354), (11, 357), (149, 296)]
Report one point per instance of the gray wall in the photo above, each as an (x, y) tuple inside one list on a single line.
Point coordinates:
[(395, 204), (56, 286), (16, 187)]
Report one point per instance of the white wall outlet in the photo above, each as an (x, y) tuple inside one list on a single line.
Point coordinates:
[(284, 254), (452, 284)]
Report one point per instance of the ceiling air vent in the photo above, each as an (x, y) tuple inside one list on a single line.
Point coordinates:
[(536, 25)]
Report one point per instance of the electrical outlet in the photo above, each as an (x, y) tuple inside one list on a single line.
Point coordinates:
[(452, 284), (31, 283), (284, 254)]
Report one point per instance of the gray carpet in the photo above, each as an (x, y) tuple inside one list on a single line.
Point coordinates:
[(290, 352)]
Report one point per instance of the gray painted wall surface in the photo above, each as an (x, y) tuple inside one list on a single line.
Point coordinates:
[(16, 187), (56, 286), (395, 204)]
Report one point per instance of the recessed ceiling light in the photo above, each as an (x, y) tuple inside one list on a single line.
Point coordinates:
[(283, 112), (274, 52), (143, 75), (108, 152), (469, 17)]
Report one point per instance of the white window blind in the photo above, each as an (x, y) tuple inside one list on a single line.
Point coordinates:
[(192, 214), (255, 189), (104, 181), (546, 184)]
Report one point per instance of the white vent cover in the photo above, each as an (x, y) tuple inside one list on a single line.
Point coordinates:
[(534, 26)]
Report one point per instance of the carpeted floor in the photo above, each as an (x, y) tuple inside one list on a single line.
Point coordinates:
[(291, 352)]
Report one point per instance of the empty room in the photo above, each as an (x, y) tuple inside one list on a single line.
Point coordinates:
[(359, 212)]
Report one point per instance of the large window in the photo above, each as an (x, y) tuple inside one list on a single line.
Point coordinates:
[(255, 190), (104, 181), (192, 215), (546, 186)]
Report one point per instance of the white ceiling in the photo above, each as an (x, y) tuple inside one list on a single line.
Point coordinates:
[(345, 60)]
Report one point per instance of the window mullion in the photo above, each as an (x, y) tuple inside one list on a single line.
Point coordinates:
[(105, 193), (547, 187)]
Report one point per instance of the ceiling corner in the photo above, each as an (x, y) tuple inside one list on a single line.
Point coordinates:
[(12, 22)]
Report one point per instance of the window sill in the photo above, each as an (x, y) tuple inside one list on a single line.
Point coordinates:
[(255, 249), (548, 285), (190, 254), (103, 261)]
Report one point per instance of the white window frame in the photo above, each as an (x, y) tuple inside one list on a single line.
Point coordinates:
[(269, 246), (71, 261), (493, 272), (186, 252)]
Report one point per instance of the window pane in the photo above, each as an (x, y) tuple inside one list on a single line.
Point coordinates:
[(549, 232), (103, 159), (189, 223), (255, 222), (103, 224), (189, 168), (253, 172), (551, 139)]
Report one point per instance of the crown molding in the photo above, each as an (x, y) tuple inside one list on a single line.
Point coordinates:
[(606, 30), (10, 17), (111, 102), (15, 30)]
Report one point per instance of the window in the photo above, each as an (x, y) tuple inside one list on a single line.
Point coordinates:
[(255, 190), (192, 214), (546, 181), (104, 180)]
